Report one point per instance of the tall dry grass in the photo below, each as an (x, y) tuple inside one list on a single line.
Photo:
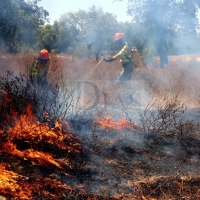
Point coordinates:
[(180, 77)]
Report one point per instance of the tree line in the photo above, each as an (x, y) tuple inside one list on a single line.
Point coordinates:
[(156, 25)]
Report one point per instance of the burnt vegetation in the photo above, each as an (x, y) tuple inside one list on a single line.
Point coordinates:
[(102, 153), (80, 137)]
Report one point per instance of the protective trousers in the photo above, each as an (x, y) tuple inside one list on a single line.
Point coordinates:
[(126, 73)]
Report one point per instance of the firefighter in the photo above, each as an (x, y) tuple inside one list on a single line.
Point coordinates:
[(39, 69), (126, 58), (42, 67)]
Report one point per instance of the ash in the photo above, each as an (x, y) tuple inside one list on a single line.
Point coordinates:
[(121, 161)]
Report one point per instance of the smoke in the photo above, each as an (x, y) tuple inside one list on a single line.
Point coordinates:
[(173, 27), (19, 26)]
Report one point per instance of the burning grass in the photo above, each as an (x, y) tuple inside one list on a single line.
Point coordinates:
[(37, 157), (156, 158), (179, 77), (36, 145), (108, 124)]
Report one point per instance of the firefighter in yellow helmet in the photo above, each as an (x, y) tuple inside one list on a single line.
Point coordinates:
[(39, 69), (126, 58)]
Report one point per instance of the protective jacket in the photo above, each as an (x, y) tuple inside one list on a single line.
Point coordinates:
[(125, 54), (33, 69), (126, 59)]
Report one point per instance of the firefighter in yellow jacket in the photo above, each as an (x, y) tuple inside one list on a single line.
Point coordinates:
[(126, 58), (39, 69)]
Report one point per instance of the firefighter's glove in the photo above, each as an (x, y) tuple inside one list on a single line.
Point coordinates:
[(134, 50), (108, 59)]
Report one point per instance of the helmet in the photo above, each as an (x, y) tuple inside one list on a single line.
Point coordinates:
[(44, 54), (118, 36)]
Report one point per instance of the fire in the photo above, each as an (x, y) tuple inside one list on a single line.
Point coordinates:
[(109, 124), (15, 185), (40, 157), (26, 129), (29, 129), (9, 184)]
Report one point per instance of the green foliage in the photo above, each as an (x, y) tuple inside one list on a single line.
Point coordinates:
[(95, 28), (64, 36), (173, 25), (19, 23), (47, 37)]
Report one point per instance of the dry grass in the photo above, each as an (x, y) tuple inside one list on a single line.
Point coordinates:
[(159, 159), (179, 77)]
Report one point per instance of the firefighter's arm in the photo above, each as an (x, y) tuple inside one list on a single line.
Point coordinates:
[(118, 55), (110, 59), (134, 50)]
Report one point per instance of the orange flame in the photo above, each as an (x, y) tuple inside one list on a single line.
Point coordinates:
[(109, 124), (42, 158), (9, 184), (27, 128), (15, 185)]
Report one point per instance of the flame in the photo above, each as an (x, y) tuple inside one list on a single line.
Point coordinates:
[(109, 124), (9, 184), (30, 154), (15, 185), (28, 129)]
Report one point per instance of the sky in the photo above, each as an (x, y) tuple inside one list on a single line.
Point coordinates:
[(58, 7)]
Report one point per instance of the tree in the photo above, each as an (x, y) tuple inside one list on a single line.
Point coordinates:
[(19, 23), (94, 27), (136, 36), (165, 19), (57, 36), (47, 38)]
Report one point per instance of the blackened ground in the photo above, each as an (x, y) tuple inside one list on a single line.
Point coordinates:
[(132, 165)]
